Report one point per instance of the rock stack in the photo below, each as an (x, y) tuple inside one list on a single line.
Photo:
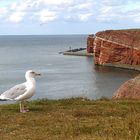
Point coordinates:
[(119, 48)]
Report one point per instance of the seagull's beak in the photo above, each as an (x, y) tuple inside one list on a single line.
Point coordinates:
[(38, 74)]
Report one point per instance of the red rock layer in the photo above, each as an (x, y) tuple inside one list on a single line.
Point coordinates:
[(117, 48), (129, 90), (90, 43)]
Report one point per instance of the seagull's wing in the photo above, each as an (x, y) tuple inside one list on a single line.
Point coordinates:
[(14, 92)]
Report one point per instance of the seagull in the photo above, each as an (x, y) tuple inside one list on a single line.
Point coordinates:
[(22, 92)]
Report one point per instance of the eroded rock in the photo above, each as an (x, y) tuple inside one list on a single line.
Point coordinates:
[(120, 48), (129, 90)]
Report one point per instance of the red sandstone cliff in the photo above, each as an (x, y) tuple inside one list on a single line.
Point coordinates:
[(90, 43), (129, 90), (120, 48)]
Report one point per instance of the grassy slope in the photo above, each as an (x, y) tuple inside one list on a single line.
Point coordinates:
[(137, 29), (72, 119)]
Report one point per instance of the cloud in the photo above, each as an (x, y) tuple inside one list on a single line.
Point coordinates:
[(16, 17), (79, 12), (3, 11), (107, 13), (114, 2), (118, 11), (47, 16), (45, 11), (73, 10), (134, 15), (65, 10), (18, 10), (52, 9), (82, 6), (54, 2), (85, 17)]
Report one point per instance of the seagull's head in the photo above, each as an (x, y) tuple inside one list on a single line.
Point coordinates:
[(31, 74)]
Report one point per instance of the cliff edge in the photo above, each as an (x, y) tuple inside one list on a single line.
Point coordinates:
[(119, 48)]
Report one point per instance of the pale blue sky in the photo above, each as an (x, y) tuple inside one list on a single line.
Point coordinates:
[(67, 16)]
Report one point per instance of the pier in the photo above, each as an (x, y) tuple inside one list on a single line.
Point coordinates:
[(77, 52)]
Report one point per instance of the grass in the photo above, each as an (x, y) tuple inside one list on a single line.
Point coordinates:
[(135, 33), (72, 119)]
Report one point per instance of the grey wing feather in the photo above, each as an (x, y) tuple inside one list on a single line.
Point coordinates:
[(14, 92)]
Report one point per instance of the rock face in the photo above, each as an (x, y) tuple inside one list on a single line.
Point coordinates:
[(90, 43), (129, 90), (120, 48)]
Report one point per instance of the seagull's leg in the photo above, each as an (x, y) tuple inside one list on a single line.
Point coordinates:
[(20, 106), (26, 107), (21, 109), (24, 110)]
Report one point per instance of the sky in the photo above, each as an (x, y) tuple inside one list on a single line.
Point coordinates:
[(52, 17)]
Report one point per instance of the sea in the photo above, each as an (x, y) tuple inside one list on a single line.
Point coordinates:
[(63, 76)]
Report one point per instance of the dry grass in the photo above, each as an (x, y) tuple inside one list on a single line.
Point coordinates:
[(72, 119)]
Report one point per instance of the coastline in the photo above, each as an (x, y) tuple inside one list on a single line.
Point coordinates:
[(123, 66), (85, 53)]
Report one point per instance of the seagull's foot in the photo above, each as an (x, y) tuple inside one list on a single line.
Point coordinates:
[(24, 111), (27, 110)]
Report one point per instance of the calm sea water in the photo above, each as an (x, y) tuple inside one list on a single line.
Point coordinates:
[(62, 76)]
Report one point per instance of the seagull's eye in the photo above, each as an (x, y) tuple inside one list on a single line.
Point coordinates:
[(33, 72)]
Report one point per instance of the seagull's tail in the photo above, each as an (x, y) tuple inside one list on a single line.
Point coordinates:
[(3, 98)]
